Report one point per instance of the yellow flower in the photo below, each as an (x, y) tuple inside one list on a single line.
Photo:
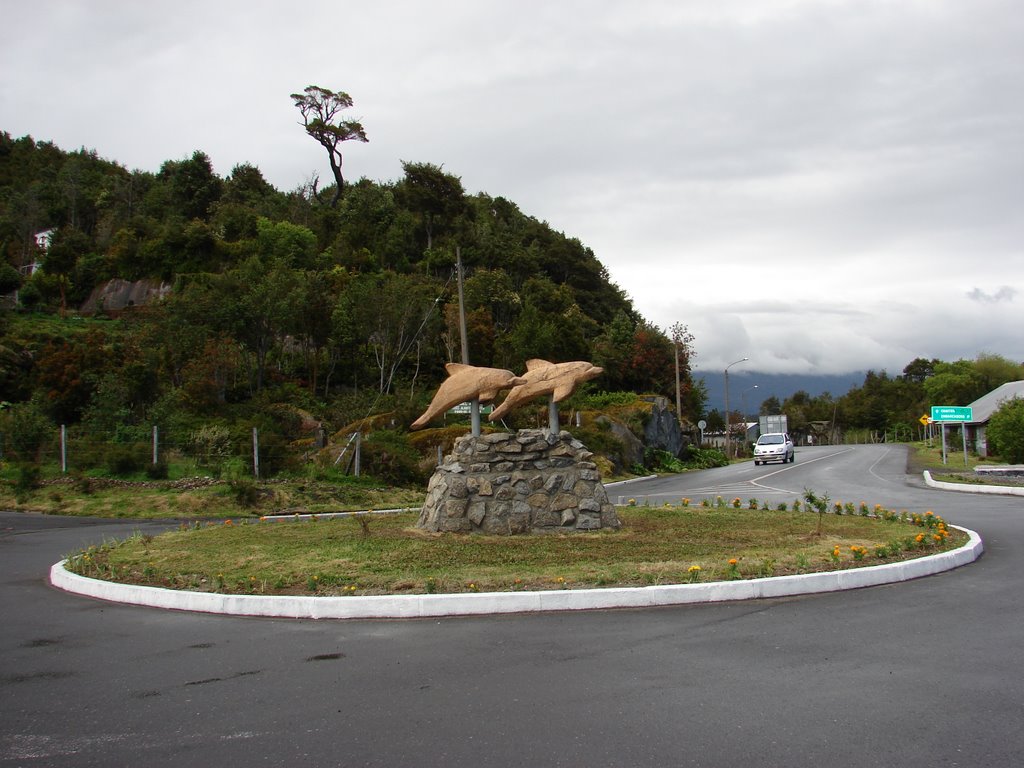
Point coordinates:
[(694, 568), (733, 561), (919, 538)]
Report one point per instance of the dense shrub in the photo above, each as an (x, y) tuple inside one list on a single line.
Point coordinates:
[(123, 460), (1006, 431), (390, 457), (703, 458), (597, 401), (158, 471), (210, 446), (25, 430), (662, 461), (29, 478)]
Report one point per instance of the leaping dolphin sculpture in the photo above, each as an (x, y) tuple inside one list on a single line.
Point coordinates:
[(465, 383), (543, 378)]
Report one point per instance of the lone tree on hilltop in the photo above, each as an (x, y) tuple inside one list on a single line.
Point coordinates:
[(320, 108)]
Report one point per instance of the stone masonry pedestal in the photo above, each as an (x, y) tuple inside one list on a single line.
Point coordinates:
[(527, 482)]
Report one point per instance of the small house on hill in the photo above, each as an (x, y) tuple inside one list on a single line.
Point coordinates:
[(983, 408)]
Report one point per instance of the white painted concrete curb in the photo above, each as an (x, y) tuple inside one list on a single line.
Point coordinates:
[(419, 606), (965, 488), (631, 480)]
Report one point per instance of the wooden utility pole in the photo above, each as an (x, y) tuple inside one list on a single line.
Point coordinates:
[(474, 406)]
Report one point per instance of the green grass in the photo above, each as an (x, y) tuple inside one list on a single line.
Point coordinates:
[(656, 546), (93, 497), (923, 457)]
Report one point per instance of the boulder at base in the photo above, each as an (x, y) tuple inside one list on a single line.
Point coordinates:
[(527, 482)]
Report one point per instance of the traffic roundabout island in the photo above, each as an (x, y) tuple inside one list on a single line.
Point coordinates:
[(485, 603)]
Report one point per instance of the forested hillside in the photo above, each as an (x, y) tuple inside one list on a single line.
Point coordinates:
[(304, 312), (341, 305)]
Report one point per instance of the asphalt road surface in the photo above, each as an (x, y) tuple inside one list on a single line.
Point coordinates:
[(925, 673)]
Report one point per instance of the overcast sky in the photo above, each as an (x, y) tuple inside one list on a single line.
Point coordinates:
[(818, 185)]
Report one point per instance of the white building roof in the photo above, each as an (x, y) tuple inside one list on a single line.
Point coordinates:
[(983, 408)]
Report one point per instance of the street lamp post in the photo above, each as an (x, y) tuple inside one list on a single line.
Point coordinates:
[(728, 445), (743, 400)]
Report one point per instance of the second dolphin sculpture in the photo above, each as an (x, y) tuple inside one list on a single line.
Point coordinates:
[(543, 378), (465, 383)]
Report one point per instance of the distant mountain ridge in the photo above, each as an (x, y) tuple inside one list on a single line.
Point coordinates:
[(780, 385)]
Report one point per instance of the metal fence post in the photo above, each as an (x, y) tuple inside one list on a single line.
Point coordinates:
[(359, 453), (255, 454), (63, 449)]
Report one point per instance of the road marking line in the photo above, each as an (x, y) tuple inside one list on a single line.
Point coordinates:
[(793, 466)]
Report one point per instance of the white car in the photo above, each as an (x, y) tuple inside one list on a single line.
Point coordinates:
[(774, 446)]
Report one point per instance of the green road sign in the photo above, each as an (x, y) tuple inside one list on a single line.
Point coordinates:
[(954, 413), (464, 409)]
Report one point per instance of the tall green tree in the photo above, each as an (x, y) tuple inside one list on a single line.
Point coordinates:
[(321, 109), (436, 197), (193, 186)]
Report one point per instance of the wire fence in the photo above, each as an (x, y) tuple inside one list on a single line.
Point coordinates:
[(209, 451)]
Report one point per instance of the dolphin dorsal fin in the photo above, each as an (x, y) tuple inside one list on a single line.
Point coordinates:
[(536, 363), (454, 368), (562, 391)]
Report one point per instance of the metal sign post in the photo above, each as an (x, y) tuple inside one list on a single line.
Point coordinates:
[(953, 414)]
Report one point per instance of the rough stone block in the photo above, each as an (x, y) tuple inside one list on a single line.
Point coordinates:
[(505, 493), (455, 507), (568, 516), (588, 521), (566, 501), (456, 525), (538, 501), (553, 482), (477, 511), (457, 487), (590, 505)]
